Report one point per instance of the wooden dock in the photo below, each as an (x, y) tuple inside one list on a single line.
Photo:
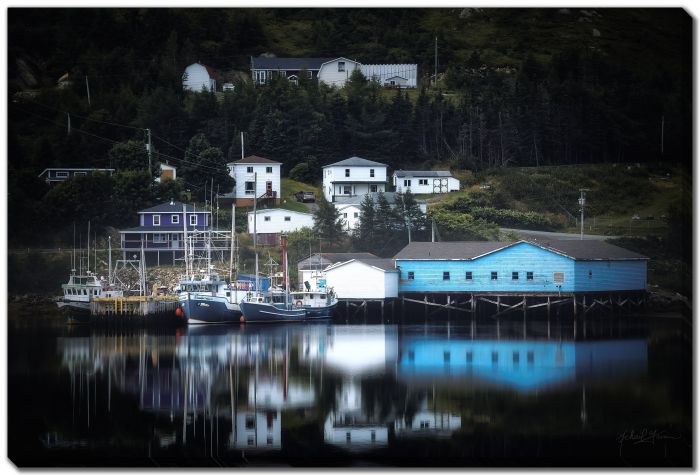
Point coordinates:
[(134, 306)]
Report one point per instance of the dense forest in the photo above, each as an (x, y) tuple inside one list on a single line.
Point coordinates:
[(514, 87)]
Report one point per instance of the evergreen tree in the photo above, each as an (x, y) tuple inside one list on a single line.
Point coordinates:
[(328, 223), (364, 233)]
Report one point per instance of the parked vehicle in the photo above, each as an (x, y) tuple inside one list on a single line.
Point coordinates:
[(305, 196)]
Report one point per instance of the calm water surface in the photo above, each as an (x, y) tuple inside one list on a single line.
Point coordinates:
[(605, 392)]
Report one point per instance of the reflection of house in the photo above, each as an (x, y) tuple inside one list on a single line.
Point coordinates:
[(279, 394), (546, 267), (57, 175), (270, 223), (364, 279), (354, 176), (423, 182), (348, 426), (350, 207), (256, 177), (428, 423), (358, 349), (257, 430), (520, 365)]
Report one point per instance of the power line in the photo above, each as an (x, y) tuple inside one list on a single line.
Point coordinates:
[(86, 118)]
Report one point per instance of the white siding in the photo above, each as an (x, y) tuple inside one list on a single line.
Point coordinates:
[(197, 77), (358, 280), (385, 72), (358, 176), (241, 174), (434, 184), (350, 221), (277, 222), (330, 75)]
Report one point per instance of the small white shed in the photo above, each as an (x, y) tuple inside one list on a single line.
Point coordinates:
[(198, 76), (364, 279), (278, 220)]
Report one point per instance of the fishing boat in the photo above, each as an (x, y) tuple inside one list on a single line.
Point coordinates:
[(288, 307)]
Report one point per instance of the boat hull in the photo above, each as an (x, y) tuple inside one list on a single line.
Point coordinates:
[(210, 310), (75, 312), (268, 313)]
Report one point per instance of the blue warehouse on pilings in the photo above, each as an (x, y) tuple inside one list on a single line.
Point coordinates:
[(584, 273)]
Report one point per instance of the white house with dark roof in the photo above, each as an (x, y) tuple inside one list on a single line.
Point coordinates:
[(350, 207), (354, 176), (270, 223), (57, 175), (198, 76), (256, 177), (364, 278), (332, 71), (425, 182)]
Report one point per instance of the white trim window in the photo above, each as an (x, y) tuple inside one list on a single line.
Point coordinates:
[(193, 220), (287, 218), (79, 173), (267, 218), (407, 183), (156, 220), (372, 188), (423, 181), (62, 174), (341, 66), (249, 187), (160, 238), (371, 172), (175, 219), (249, 170), (268, 169)]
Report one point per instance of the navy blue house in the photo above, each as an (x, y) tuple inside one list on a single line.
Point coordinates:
[(523, 267), (161, 231)]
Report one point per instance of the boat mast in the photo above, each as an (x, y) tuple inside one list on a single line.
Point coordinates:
[(255, 229), (88, 248), (73, 261), (109, 272), (233, 240), (284, 268), (184, 239)]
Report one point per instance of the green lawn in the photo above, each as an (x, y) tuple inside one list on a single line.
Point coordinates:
[(289, 187)]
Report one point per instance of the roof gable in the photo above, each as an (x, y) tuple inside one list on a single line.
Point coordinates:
[(355, 162), (254, 159)]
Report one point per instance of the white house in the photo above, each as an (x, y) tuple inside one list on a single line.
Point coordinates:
[(392, 75), (198, 76), (364, 278), (311, 268), (57, 175), (350, 207), (167, 172), (354, 176), (245, 170), (273, 222), (425, 182), (336, 72), (263, 68)]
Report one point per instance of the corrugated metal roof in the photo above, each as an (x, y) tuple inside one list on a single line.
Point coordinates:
[(422, 173), (383, 72), (254, 159), (578, 250), (174, 207), (286, 64), (355, 162), (313, 261)]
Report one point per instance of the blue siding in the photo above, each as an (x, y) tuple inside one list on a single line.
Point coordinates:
[(610, 275), (521, 258), (166, 220)]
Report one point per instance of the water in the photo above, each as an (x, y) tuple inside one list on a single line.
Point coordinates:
[(606, 392)]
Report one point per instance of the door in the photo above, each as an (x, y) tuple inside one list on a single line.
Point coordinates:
[(268, 188)]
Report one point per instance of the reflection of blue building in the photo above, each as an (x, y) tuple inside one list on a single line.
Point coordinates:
[(520, 365)]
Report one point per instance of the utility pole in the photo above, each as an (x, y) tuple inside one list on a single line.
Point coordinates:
[(149, 148), (662, 137), (87, 86), (582, 204), (435, 74)]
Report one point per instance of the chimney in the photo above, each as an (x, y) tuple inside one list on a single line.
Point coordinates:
[(171, 202)]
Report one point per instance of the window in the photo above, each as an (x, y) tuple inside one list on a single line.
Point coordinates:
[(445, 275), (373, 188), (371, 172), (516, 357), (423, 181), (160, 238), (494, 357), (530, 357), (590, 274), (529, 276), (287, 218), (341, 66), (347, 172), (347, 437), (251, 440), (411, 275), (193, 220), (558, 277), (175, 219), (61, 174), (249, 421), (249, 187), (494, 275), (347, 190), (407, 183), (267, 218), (156, 220), (249, 169), (468, 275), (515, 276), (356, 215), (345, 215), (268, 170), (79, 173)]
